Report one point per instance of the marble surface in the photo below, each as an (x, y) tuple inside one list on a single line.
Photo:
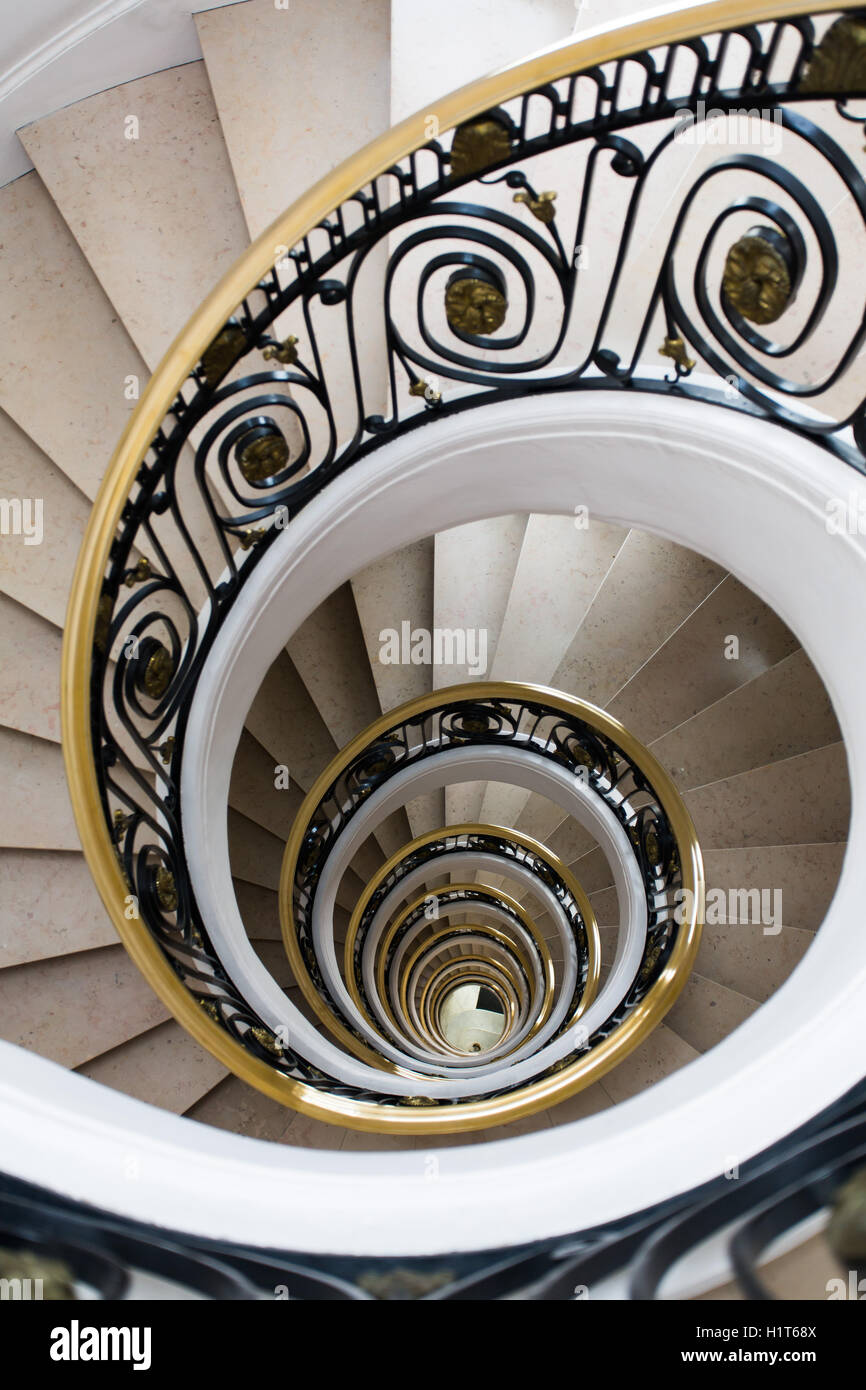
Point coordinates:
[(260, 909), (29, 671), (301, 742), (801, 800), (49, 906), (76, 1007), (783, 712), (329, 654), (660, 1054), (650, 589), (35, 812), (40, 576), (691, 670), (158, 217), (164, 1067), (706, 1012), (64, 354)]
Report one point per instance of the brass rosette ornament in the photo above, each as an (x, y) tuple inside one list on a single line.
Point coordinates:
[(475, 302), (757, 280)]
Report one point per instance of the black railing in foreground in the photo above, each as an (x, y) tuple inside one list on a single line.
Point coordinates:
[(774, 1192)]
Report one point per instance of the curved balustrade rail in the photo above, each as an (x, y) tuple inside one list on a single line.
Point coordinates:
[(455, 233)]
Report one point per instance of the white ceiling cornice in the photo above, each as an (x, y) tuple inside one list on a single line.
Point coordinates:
[(65, 50)]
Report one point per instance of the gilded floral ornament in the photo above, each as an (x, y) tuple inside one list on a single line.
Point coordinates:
[(540, 206), (263, 457), (675, 348), (838, 65), (401, 1285), (138, 575), (756, 280), (267, 1040), (285, 352), (425, 389), (474, 305), (158, 671), (166, 889), (479, 143), (166, 750)]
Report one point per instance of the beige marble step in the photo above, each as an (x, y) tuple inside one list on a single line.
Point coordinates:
[(29, 671), (706, 1012), (747, 953), (55, 313), (491, 37), (49, 906), (235, 1106), (286, 124), (692, 669), (164, 1067), (807, 874), (559, 573), (76, 1007), (65, 358), (285, 120), (253, 790), (781, 713), (662, 1053), (652, 587), (394, 591), (592, 871), (39, 575), (284, 719), (158, 216), (35, 811), (591, 1101), (330, 656), (256, 856), (273, 957), (260, 909), (801, 800), (475, 567)]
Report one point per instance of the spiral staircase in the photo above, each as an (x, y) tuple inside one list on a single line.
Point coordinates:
[(458, 673)]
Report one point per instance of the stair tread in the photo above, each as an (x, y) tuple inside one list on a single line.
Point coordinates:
[(163, 1066), (140, 203), (52, 306)]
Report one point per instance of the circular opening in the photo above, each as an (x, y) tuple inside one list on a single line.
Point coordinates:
[(472, 1018)]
